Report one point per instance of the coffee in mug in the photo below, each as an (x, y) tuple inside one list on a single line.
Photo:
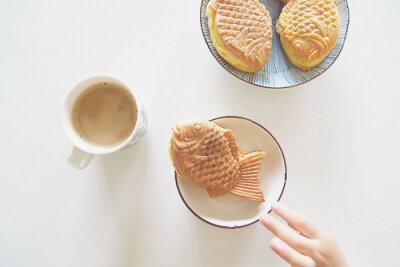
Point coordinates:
[(101, 116), (104, 114)]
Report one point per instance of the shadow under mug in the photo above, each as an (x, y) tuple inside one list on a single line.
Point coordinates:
[(83, 152)]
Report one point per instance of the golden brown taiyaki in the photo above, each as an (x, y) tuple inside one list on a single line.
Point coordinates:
[(308, 31), (208, 156), (241, 32)]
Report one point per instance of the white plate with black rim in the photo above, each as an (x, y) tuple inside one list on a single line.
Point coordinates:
[(279, 72), (229, 211)]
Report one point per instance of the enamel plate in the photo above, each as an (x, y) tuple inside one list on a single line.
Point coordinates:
[(229, 211), (279, 72)]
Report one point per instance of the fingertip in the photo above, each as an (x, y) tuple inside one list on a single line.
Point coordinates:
[(275, 206), (276, 245), (290, 255), (265, 219)]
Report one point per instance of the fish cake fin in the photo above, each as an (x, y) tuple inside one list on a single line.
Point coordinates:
[(213, 192), (232, 143), (248, 185)]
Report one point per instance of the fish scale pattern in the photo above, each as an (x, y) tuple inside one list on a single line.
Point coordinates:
[(244, 27), (311, 27), (279, 71), (221, 169)]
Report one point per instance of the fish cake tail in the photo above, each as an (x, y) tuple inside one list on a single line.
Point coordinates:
[(248, 185)]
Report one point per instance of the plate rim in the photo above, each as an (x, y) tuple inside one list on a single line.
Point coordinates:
[(278, 87), (280, 195)]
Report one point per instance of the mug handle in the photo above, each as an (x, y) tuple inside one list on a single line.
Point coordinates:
[(80, 159)]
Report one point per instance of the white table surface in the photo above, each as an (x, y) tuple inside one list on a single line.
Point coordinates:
[(340, 134)]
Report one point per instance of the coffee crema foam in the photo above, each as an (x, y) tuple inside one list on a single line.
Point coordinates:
[(104, 114)]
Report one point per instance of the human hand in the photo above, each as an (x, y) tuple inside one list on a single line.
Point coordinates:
[(313, 247)]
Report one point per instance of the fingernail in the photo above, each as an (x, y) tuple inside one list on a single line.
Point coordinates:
[(275, 205), (277, 244), (264, 218)]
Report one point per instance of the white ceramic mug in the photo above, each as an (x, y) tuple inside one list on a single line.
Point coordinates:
[(83, 152)]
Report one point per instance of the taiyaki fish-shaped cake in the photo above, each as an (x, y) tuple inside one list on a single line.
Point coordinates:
[(308, 31), (208, 156), (241, 32)]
